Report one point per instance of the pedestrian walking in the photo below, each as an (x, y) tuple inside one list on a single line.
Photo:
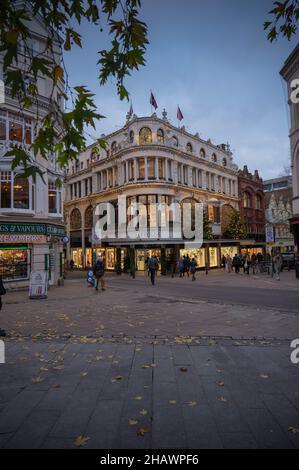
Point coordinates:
[(99, 271), (153, 267), (237, 263), (193, 265), (277, 264), (223, 262), (72, 264), (246, 265), (182, 267), (229, 264), (2, 292)]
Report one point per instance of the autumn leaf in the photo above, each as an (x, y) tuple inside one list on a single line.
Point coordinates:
[(191, 403), (143, 412), (220, 384), (138, 398), (183, 369), (117, 378), (37, 380), (222, 399), (172, 402), (81, 441), (142, 431), (293, 430), (133, 422), (264, 376)]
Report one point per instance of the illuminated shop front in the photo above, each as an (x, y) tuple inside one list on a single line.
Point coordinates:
[(14, 262), (197, 254), (143, 254), (250, 251), (213, 255), (229, 251), (27, 247)]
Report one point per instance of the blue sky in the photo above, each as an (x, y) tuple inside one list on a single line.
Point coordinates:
[(213, 59)]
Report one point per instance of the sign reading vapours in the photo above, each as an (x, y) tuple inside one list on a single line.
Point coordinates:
[(2, 352)]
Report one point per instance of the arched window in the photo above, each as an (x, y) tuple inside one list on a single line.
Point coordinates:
[(76, 219), (131, 137), (21, 197), (214, 157), (189, 147), (88, 218), (160, 136), (93, 155), (202, 153), (113, 147), (258, 202), (247, 200), (54, 197), (145, 136), (224, 162), (175, 141)]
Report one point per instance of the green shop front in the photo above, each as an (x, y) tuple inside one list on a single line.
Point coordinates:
[(26, 247)]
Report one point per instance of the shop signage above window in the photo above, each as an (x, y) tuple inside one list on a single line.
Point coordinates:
[(31, 229), (22, 238)]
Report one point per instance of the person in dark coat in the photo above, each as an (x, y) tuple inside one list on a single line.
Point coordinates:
[(99, 271), (2, 292)]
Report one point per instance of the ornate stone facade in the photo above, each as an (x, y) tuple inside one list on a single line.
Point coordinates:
[(150, 160)]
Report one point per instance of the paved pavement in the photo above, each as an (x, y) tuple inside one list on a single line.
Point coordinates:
[(136, 366)]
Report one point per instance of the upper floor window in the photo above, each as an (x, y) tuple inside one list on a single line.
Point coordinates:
[(189, 147), (202, 153), (15, 128), (175, 141), (113, 147), (214, 157), (258, 202), (224, 162), (247, 200), (160, 136), (145, 136), (131, 137), (16, 192), (75, 219), (54, 197)]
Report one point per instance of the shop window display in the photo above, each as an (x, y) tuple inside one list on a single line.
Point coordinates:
[(14, 264)]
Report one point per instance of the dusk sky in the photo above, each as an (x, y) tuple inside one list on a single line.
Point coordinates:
[(212, 58)]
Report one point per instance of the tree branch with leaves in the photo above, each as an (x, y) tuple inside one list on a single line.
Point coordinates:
[(59, 131)]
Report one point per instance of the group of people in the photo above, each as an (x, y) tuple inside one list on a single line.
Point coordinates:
[(187, 266), (256, 262)]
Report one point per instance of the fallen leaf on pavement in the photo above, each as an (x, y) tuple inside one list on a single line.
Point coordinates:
[(293, 430), (142, 431), (37, 380), (224, 400), (133, 422), (143, 412), (81, 441)]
